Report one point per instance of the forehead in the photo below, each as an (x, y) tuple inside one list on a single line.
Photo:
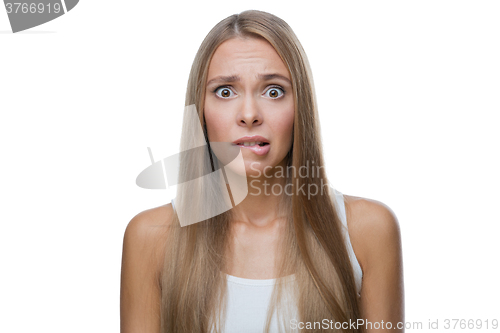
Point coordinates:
[(246, 53)]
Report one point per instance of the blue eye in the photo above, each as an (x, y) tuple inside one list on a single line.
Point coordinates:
[(274, 90), (225, 92)]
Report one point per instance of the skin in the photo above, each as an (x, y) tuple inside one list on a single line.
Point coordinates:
[(376, 240), (250, 109)]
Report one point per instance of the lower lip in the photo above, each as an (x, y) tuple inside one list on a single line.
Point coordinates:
[(258, 149)]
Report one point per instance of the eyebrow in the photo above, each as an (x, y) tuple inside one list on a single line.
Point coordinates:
[(236, 78)]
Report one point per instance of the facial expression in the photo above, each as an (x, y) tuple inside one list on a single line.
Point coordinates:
[(249, 93)]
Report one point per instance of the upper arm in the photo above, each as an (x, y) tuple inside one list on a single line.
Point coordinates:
[(376, 238), (140, 293)]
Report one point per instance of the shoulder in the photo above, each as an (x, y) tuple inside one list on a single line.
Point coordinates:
[(145, 236), (374, 230), (142, 259), (147, 221)]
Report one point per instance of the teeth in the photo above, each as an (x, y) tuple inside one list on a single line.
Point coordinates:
[(253, 143)]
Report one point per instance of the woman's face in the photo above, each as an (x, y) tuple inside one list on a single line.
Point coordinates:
[(249, 94)]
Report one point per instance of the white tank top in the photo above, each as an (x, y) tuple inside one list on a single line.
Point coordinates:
[(248, 299)]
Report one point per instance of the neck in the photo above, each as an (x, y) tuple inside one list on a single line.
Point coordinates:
[(260, 208)]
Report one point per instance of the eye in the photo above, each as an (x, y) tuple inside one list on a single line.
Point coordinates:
[(225, 92), (274, 92)]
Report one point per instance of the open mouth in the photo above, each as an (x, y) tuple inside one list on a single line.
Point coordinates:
[(260, 148), (250, 144)]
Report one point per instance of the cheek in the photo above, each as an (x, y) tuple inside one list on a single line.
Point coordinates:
[(285, 127), (216, 125), (291, 120)]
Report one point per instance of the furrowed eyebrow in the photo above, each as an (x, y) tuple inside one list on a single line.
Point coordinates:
[(224, 79), (267, 77), (236, 78)]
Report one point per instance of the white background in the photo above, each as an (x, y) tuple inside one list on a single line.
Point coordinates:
[(409, 102)]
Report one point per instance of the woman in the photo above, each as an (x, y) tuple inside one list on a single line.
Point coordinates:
[(281, 258)]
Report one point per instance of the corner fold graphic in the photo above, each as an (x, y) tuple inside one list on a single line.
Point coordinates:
[(70, 4), (28, 14)]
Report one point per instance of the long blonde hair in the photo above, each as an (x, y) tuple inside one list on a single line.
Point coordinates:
[(312, 247)]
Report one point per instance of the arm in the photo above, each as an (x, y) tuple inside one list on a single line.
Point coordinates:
[(376, 239), (142, 259)]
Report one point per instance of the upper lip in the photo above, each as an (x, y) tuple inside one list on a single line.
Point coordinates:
[(253, 138)]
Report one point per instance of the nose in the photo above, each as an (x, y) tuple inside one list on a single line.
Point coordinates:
[(250, 114)]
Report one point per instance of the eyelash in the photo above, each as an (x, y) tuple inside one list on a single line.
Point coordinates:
[(270, 87)]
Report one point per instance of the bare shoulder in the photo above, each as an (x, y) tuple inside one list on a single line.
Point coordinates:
[(146, 233), (375, 237), (373, 229), (148, 229), (148, 221), (142, 259)]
